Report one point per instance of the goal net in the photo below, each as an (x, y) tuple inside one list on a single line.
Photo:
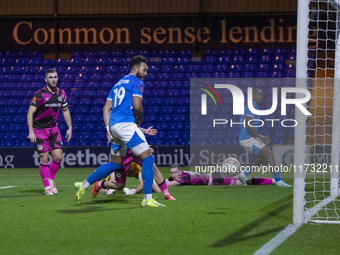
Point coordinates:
[(316, 179)]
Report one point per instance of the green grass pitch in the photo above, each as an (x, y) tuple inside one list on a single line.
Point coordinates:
[(203, 220)]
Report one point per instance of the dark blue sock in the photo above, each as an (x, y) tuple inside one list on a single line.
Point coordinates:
[(103, 171), (147, 174)]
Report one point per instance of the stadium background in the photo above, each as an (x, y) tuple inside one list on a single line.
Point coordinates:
[(182, 40)]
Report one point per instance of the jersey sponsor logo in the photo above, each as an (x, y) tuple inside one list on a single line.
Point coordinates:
[(60, 98), (118, 175), (40, 147), (53, 105)]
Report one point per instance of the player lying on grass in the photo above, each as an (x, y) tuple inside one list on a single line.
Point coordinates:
[(132, 168), (179, 177)]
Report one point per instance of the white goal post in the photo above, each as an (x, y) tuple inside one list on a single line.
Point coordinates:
[(317, 138)]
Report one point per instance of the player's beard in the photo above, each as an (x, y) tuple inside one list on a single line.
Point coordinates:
[(53, 89), (140, 75)]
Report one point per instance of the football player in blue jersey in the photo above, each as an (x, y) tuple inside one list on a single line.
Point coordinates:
[(123, 115), (255, 143)]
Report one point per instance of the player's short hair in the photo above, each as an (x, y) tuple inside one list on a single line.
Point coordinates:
[(137, 60), (51, 70), (175, 166)]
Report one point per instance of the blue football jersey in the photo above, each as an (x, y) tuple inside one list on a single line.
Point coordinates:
[(243, 130), (121, 96)]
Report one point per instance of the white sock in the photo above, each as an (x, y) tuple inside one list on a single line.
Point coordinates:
[(85, 184), (147, 196)]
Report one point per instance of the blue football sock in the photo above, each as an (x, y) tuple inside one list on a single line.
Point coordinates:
[(103, 171), (277, 176), (147, 174)]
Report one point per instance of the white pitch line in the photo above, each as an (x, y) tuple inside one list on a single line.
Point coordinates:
[(7, 187), (277, 240)]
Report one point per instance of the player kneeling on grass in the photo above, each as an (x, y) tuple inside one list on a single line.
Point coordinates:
[(132, 168), (179, 177)]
